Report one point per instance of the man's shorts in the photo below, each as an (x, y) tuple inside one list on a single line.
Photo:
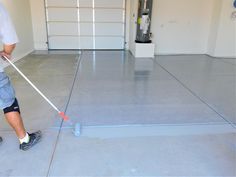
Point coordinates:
[(7, 92)]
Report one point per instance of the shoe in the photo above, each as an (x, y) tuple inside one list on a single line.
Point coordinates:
[(0, 139), (34, 139)]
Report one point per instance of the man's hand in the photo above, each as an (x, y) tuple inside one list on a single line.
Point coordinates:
[(7, 50), (2, 53)]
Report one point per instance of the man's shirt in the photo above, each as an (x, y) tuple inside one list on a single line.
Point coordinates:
[(8, 34)]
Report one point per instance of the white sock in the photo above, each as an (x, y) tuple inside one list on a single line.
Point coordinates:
[(25, 139)]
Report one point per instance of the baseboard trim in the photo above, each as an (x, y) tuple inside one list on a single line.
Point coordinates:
[(179, 54), (224, 57)]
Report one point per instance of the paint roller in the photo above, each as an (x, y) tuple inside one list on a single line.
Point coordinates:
[(60, 113)]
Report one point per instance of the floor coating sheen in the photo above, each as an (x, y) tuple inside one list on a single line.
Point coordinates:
[(168, 116)]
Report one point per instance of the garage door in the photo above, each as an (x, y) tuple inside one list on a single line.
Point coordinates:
[(86, 24)]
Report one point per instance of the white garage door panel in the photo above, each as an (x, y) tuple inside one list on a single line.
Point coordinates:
[(109, 3), (63, 42), (109, 42), (85, 3), (86, 29), (86, 42), (55, 28), (62, 3), (113, 29), (109, 15), (86, 24), (62, 14), (86, 15)]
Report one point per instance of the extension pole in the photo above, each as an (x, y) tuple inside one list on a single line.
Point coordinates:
[(62, 114)]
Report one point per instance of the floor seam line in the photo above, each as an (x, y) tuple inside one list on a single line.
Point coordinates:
[(60, 129), (194, 94)]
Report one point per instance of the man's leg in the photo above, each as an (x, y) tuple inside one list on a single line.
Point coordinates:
[(12, 114), (16, 122), (13, 117), (10, 106)]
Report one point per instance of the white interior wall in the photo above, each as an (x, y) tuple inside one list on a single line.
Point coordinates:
[(132, 25), (39, 24), (127, 24), (174, 25), (225, 45), (191, 27), (215, 22), (181, 26), (21, 17)]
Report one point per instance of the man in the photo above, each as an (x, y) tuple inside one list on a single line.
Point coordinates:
[(8, 102)]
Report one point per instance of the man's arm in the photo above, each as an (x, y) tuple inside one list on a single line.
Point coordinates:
[(7, 50), (8, 34)]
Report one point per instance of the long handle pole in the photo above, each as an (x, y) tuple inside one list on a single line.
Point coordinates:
[(62, 114)]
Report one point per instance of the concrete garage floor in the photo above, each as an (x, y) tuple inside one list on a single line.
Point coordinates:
[(172, 116)]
